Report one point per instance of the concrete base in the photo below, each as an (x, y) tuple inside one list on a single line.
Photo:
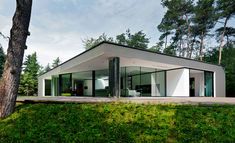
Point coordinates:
[(141, 100)]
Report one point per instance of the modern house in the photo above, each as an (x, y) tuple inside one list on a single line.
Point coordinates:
[(110, 69)]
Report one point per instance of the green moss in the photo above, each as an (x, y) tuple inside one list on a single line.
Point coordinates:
[(118, 122)]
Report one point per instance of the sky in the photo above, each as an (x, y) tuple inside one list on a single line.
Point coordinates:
[(58, 27)]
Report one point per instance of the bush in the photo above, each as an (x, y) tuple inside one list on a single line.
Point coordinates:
[(118, 122)]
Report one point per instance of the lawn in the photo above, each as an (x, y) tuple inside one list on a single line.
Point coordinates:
[(119, 122)]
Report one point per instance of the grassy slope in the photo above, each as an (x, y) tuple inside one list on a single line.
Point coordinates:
[(118, 122)]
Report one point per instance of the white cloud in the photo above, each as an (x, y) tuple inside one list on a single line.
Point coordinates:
[(50, 45), (58, 26)]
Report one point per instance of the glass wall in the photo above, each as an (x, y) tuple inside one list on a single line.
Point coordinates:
[(130, 81), (82, 84), (102, 83), (159, 88), (208, 84), (55, 85), (135, 81), (141, 81), (47, 87), (65, 84), (146, 78)]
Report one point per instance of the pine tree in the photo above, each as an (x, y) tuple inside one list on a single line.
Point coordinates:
[(2, 60), (47, 68), (137, 40), (90, 42), (177, 21), (225, 10), (29, 81), (204, 19), (56, 62)]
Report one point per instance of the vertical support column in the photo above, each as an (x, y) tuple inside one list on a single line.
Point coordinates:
[(60, 85), (114, 76), (165, 78), (93, 83)]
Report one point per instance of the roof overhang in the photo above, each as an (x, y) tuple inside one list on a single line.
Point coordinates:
[(97, 58)]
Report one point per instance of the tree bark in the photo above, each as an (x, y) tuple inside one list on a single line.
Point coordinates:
[(191, 48), (166, 41), (201, 45), (17, 44), (188, 36), (222, 41)]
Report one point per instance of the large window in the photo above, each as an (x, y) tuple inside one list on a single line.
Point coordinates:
[(82, 83), (159, 84), (65, 85), (147, 77), (55, 85), (130, 81), (102, 83), (135, 82), (208, 76), (141, 81), (47, 87)]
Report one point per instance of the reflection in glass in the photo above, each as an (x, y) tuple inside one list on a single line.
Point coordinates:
[(141, 81), (102, 83), (65, 81), (47, 87), (208, 84), (159, 84), (82, 83), (55, 85)]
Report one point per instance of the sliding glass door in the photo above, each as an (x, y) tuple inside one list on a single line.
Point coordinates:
[(209, 87), (65, 84)]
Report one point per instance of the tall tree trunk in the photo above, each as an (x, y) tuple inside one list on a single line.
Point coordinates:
[(227, 37), (191, 48), (188, 36), (17, 44), (201, 46), (222, 41), (166, 41), (182, 47)]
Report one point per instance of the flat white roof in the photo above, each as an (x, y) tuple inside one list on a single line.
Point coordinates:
[(97, 58)]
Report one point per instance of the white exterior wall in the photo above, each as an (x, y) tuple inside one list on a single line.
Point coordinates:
[(41, 87), (177, 82)]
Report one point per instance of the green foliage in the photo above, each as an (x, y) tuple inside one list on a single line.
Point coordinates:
[(28, 85), (228, 62), (225, 9), (29, 82), (204, 16), (89, 43), (56, 62), (118, 122), (177, 21), (47, 68), (138, 39), (170, 50), (31, 65), (2, 60), (155, 48), (229, 33)]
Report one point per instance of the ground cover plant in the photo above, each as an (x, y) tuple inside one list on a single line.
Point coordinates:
[(119, 122)]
